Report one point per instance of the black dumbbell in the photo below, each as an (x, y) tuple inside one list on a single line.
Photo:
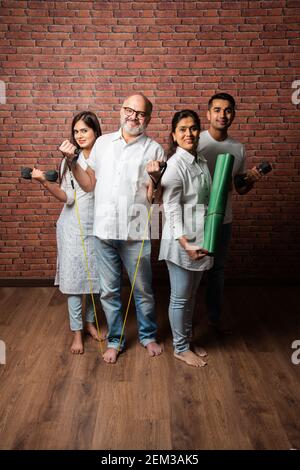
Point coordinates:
[(50, 175), (241, 180)]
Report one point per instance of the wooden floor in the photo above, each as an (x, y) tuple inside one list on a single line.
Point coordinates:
[(248, 397)]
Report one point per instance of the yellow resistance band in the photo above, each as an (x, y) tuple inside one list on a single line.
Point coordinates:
[(135, 274), (87, 267)]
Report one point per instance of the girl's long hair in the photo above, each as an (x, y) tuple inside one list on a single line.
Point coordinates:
[(176, 118), (91, 120)]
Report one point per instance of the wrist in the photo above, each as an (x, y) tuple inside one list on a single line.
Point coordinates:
[(183, 242), (73, 162), (155, 181), (249, 181)]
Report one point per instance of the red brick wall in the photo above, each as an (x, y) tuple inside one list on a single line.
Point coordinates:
[(58, 57)]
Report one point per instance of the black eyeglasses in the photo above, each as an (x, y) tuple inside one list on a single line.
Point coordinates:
[(139, 114)]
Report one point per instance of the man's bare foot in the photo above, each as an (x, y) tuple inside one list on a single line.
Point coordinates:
[(110, 355), (190, 358), (154, 349), (198, 350), (92, 330), (77, 345)]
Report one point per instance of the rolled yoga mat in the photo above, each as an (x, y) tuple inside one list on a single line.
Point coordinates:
[(217, 201)]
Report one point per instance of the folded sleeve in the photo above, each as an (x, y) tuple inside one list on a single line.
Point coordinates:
[(82, 162), (172, 195), (160, 154), (91, 162), (66, 186)]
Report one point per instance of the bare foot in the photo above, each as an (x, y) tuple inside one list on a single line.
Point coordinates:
[(198, 350), (190, 358), (92, 330), (77, 345), (154, 349), (110, 355)]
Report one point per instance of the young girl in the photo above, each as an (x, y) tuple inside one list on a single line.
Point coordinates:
[(186, 186), (71, 275)]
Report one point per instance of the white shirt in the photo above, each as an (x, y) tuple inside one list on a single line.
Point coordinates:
[(186, 186), (121, 204), (211, 148)]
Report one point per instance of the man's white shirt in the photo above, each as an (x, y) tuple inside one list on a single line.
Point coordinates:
[(121, 204)]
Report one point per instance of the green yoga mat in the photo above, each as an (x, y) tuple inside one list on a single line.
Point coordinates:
[(217, 201)]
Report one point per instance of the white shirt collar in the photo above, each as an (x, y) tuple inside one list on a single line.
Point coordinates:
[(118, 135), (217, 141), (188, 157)]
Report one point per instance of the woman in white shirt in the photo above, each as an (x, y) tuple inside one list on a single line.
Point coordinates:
[(71, 275), (186, 186)]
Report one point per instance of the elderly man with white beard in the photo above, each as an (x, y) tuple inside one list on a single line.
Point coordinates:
[(123, 162)]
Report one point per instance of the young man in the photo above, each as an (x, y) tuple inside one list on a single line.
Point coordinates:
[(215, 141), (121, 162)]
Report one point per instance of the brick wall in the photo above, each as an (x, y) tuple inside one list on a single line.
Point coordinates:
[(59, 57)]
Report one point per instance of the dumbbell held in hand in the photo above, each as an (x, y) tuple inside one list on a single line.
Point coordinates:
[(241, 180), (70, 152), (50, 175)]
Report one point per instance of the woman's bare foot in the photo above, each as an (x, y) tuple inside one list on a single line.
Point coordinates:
[(77, 345), (110, 355), (198, 350), (190, 358), (92, 330), (154, 349)]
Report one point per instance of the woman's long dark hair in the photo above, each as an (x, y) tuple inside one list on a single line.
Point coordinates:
[(91, 120), (176, 118)]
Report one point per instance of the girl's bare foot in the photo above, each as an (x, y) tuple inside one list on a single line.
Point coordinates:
[(77, 345), (92, 330), (110, 355), (190, 358)]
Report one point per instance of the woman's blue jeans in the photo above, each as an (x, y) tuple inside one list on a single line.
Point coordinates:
[(184, 286)]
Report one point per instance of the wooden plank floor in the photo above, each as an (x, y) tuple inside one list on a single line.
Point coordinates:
[(248, 397)]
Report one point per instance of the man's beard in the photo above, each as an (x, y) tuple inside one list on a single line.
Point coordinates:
[(133, 131)]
